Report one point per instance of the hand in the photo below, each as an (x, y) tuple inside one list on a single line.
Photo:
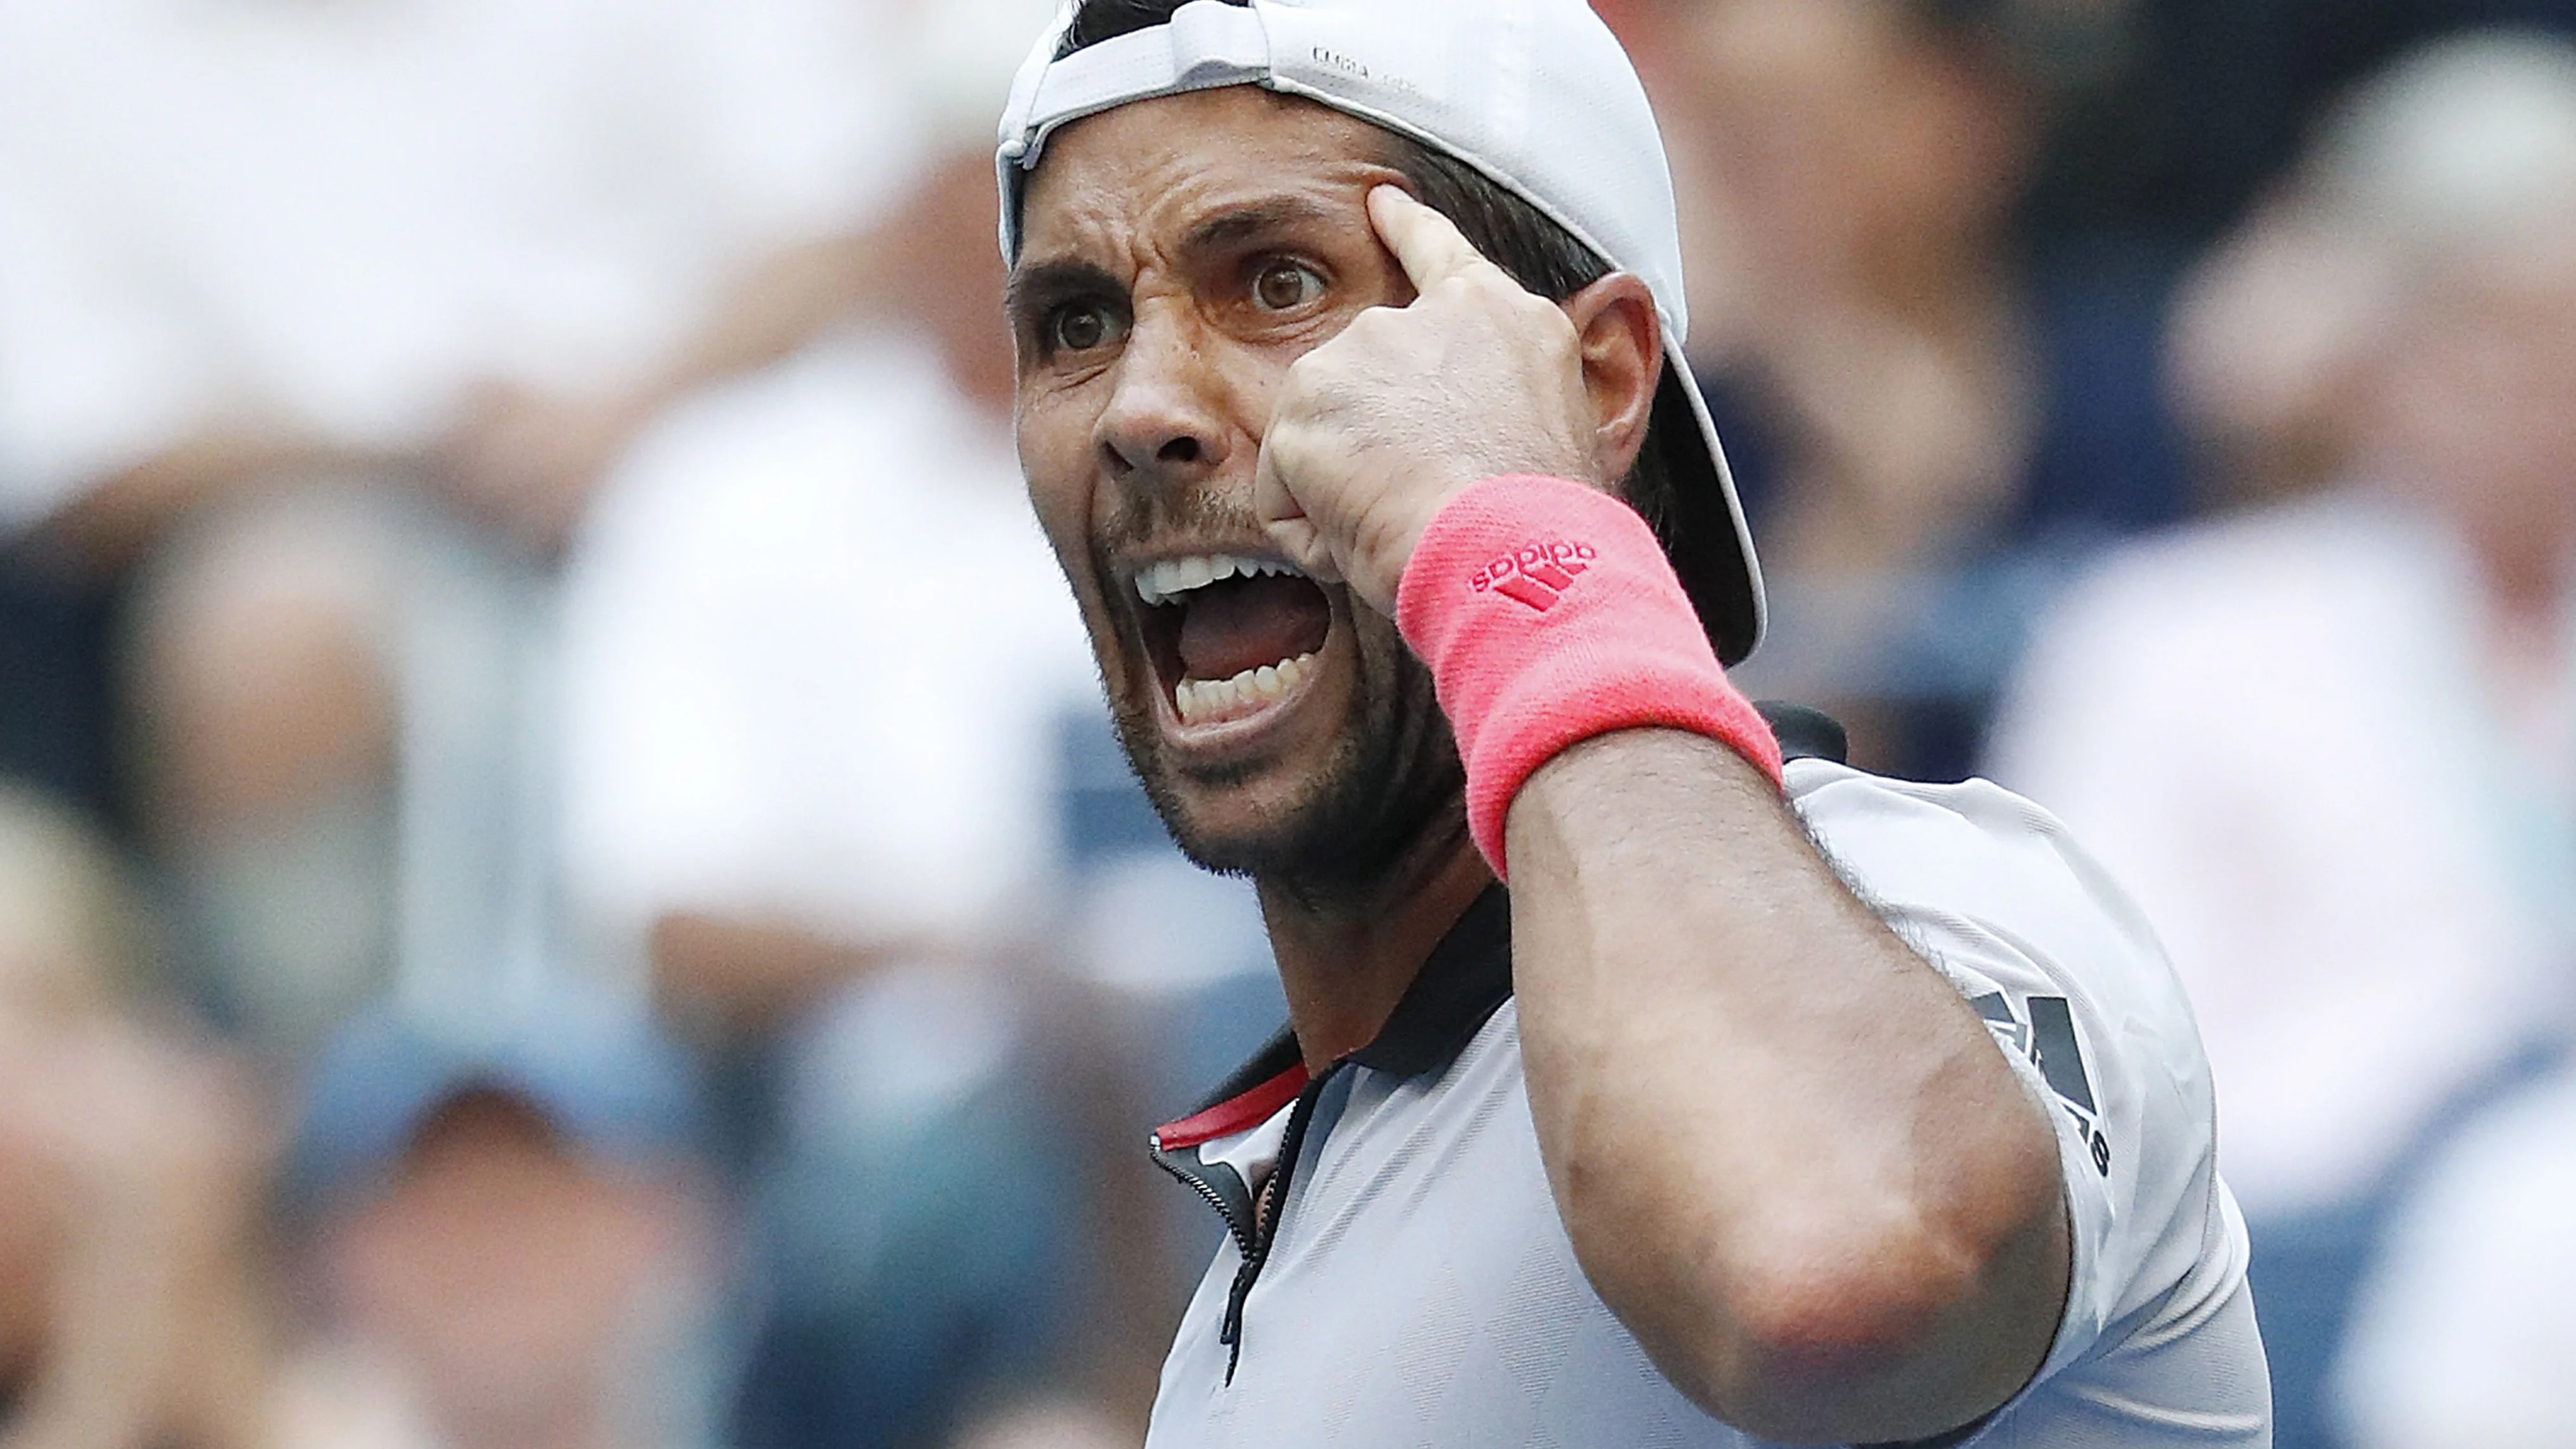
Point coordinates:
[(1376, 429)]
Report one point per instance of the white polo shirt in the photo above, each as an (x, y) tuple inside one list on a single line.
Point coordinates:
[(1417, 1287)]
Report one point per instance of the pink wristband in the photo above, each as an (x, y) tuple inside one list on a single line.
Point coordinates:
[(1548, 615)]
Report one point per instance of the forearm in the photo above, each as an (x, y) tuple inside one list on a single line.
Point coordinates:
[(785, 302), (1788, 1154), (117, 519)]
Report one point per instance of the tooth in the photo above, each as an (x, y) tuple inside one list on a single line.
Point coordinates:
[(1192, 573), (1225, 566), (1266, 679)]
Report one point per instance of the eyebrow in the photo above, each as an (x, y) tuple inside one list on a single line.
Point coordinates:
[(1240, 223), (1042, 283), (1039, 284)]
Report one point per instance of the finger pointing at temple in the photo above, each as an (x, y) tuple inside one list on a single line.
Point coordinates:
[(1375, 429), (1428, 245)]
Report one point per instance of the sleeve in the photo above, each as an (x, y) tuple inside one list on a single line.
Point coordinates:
[(2070, 980)]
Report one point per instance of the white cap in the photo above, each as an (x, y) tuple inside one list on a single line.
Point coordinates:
[(1535, 94)]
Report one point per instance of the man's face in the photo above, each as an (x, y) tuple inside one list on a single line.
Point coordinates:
[(505, 1269), (2478, 396), (1177, 256)]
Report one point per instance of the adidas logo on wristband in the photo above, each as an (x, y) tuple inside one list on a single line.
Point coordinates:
[(1536, 574)]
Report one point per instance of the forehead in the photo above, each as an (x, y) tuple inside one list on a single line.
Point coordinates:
[(1152, 171)]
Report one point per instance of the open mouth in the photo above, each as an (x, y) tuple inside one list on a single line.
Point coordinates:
[(1230, 636)]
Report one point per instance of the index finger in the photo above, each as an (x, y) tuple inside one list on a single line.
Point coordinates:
[(1428, 245)]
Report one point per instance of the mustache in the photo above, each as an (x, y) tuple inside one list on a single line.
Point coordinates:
[(1148, 515)]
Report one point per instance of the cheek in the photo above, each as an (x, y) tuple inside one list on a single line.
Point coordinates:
[(1054, 441)]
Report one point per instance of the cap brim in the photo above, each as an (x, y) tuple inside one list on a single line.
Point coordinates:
[(1710, 545)]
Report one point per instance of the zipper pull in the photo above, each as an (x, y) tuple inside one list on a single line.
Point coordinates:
[(1230, 1331), (1265, 1225)]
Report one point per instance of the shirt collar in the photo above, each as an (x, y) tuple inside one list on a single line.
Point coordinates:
[(1466, 980)]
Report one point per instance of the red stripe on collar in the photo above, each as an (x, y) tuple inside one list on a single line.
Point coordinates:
[(1235, 1114)]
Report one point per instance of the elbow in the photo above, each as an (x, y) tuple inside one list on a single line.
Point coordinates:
[(1837, 1352), (1835, 1327)]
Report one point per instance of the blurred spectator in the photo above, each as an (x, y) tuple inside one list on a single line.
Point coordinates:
[(2466, 1334), (265, 683), (133, 1293), (816, 658), (242, 239), (1928, 424), (2332, 745), (820, 588), (511, 1235), (303, 307)]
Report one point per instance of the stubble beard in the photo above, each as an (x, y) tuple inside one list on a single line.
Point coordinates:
[(1392, 781)]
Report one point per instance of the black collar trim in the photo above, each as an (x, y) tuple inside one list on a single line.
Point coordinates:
[(1466, 980), (1277, 1058)]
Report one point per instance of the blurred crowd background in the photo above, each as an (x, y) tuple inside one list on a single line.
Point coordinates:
[(563, 884)]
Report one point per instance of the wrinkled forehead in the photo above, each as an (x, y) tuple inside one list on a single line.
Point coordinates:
[(1153, 172)]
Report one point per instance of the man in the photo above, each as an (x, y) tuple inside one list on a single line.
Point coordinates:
[(2425, 252), (1930, 413), (1686, 1140), (507, 1222)]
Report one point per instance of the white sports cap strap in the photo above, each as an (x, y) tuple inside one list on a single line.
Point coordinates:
[(1207, 45), (1534, 94)]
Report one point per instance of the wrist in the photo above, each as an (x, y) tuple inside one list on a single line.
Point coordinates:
[(1549, 615)]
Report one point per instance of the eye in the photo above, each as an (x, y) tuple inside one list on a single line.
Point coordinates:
[(1283, 286), (1080, 327)]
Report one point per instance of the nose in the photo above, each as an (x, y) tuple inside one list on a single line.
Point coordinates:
[(1164, 422)]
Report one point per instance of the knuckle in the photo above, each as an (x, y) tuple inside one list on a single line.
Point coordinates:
[(1303, 381), (1368, 325)]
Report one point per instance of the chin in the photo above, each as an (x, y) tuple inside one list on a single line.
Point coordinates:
[(1336, 824)]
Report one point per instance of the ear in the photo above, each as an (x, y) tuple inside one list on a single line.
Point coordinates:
[(1622, 343)]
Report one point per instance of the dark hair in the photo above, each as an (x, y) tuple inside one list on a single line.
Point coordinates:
[(1537, 253), (1099, 20)]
